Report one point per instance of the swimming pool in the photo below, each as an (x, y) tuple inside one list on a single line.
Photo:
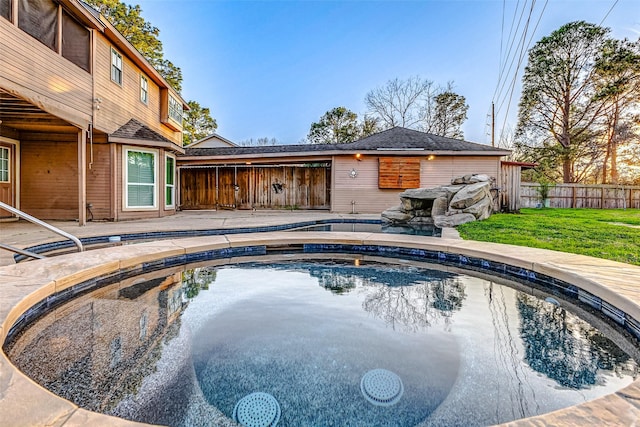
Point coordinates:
[(468, 351)]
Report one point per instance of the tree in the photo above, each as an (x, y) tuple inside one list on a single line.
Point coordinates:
[(369, 126), (400, 102), (197, 123), (450, 112), (260, 142), (142, 35), (618, 82), (336, 126), (417, 104), (558, 106)]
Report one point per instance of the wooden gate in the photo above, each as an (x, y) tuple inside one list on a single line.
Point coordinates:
[(257, 187)]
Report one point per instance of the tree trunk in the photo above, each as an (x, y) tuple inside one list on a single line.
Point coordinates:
[(613, 144)]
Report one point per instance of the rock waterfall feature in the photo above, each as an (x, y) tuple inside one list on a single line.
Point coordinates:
[(467, 199)]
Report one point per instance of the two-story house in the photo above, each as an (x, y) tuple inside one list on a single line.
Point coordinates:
[(88, 128)]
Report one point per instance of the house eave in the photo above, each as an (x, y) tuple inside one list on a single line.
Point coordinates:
[(148, 143)]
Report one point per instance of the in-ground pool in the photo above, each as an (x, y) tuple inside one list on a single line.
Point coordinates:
[(324, 339)]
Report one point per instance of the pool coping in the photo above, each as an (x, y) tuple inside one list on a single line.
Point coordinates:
[(25, 285)]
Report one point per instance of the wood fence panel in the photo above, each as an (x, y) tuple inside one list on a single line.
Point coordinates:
[(592, 196)]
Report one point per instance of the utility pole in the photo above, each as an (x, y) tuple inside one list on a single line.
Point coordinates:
[(493, 125)]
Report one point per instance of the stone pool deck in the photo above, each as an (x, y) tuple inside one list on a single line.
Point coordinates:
[(24, 403)]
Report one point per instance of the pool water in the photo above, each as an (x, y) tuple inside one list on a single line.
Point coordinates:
[(416, 229), (184, 347)]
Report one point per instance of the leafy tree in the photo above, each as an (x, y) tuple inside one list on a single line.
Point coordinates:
[(369, 126), (141, 34), (558, 106), (336, 126), (618, 82), (449, 115), (197, 123)]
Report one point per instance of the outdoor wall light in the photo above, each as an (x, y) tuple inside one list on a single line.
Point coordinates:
[(431, 157), (353, 173), (358, 156)]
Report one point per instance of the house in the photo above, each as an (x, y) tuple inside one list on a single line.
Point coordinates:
[(88, 128), (364, 176), (213, 141)]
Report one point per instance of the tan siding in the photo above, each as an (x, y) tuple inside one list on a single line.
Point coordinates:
[(49, 176), (442, 169), (368, 198), (28, 64), (121, 103), (363, 189), (99, 183)]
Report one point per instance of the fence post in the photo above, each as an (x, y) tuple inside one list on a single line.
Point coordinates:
[(573, 197), (602, 198)]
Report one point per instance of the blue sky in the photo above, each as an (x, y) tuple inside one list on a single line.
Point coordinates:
[(271, 68)]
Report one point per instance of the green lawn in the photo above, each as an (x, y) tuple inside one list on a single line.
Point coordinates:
[(599, 233)]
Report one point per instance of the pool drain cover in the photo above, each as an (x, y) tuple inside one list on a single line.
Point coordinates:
[(381, 387), (257, 410)]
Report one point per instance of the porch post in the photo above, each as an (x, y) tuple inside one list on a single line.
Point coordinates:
[(82, 177)]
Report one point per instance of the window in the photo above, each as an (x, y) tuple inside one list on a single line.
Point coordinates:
[(144, 89), (4, 164), (116, 67), (169, 187), (5, 9), (76, 42), (175, 109), (140, 178), (39, 18)]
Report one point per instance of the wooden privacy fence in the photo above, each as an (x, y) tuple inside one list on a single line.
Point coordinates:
[(582, 196), (247, 187)]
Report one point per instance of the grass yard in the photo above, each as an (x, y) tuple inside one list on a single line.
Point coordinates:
[(610, 234)]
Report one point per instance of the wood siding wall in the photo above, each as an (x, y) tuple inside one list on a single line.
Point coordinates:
[(255, 187), (34, 72), (368, 198), (582, 196), (99, 182), (49, 176), (121, 103), (509, 200)]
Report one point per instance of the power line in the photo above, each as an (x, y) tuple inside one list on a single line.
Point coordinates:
[(522, 55), (612, 6)]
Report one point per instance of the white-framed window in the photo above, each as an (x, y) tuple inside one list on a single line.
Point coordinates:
[(4, 164), (144, 89), (169, 182), (140, 173), (116, 67), (175, 109)]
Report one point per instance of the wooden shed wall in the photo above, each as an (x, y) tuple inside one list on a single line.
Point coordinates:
[(121, 103), (43, 76), (49, 175), (260, 187)]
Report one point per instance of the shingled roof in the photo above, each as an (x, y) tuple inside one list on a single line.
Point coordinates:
[(394, 139), (133, 129)]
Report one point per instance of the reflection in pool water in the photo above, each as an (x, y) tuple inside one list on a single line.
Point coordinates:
[(183, 347)]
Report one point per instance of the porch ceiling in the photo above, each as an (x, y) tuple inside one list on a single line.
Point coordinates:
[(21, 115)]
